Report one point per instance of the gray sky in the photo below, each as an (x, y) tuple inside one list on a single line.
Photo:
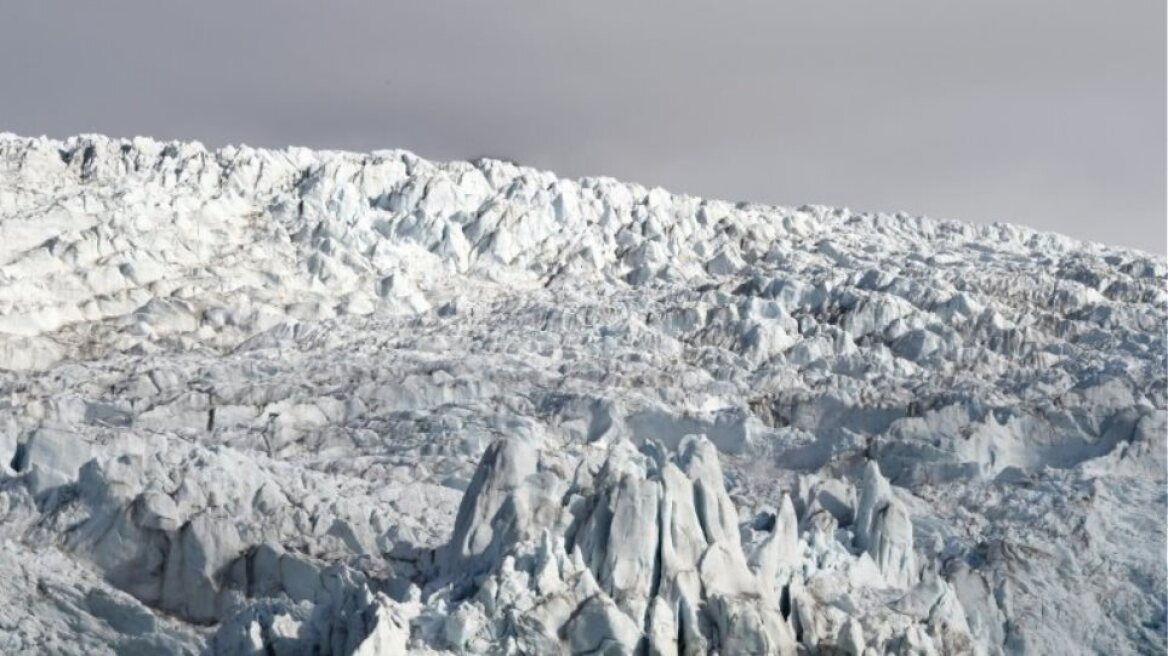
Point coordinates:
[(1049, 114)]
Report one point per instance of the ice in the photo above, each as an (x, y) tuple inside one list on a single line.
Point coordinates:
[(301, 402)]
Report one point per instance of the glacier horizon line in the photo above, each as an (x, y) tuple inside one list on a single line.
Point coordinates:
[(1020, 231)]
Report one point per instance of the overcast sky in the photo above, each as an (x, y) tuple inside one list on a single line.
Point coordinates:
[(1049, 114)]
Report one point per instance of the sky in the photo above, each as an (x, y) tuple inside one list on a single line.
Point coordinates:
[(1050, 114)]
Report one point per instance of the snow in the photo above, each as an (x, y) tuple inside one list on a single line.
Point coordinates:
[(295, 402)]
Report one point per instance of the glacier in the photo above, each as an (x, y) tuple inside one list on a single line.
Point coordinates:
[(312, 402)]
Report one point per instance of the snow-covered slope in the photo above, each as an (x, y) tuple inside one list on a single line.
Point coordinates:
[(300, 402)]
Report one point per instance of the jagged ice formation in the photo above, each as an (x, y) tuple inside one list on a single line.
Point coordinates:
[(297, 402)]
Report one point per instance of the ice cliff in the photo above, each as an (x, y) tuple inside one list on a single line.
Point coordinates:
[(297, 402)]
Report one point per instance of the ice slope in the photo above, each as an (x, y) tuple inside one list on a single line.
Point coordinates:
[(302, 402)]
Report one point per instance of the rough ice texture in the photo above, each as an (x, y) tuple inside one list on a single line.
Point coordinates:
[(296, 402)]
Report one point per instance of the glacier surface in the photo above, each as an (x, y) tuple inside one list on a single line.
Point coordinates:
[(296, 402)]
